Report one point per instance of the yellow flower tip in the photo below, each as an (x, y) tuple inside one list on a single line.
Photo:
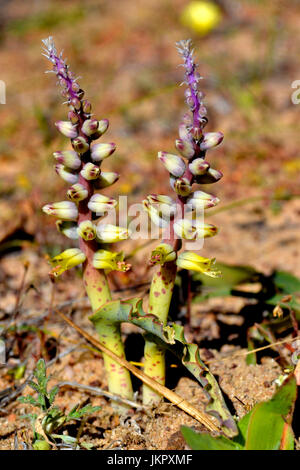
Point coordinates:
[(201, 16), (108, 233), (66, 260), (162, 254), (87, 230), (193, 262), (111, 261)]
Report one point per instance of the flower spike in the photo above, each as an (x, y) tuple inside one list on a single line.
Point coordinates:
[(81, 168)]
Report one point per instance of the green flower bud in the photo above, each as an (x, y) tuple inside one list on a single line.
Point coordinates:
[(69, 158), (101, 151), (66, 260), (182, 187), (80, 145), (210, 140), (174, 164), (108, 233), (69, 229), (194, 262), (104, 259), (106, 178), (66, 174), (185, 148), (99, 203), (86, 107), (162, 254), (65, 210), (90, 171), (73, 117), (87, 230), (67, 129), (199, 167)]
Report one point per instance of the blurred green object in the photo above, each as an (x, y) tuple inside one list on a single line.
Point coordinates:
[(201, 17), (266, 427), (273, 288)]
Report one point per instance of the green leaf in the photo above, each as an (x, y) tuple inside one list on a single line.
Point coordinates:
[(29, 400), (66, 439), (231, 276), (266, 427), (42, 401), (269, 422), (76, 413), (52, 394), (287, 282), (242, 427), (34, 386), (172, 338), (204, 441), (40, 374)]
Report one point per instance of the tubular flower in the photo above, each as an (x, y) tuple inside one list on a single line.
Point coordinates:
[(99, 203), (101, 151), (87, 230), (174, 164), (90, 171), (106, 178), (161, 209), (66, 174), (77, 193), (108, 233), (162, 254), (67, 129), (192, 261), (66, 260), (104, 259), (68, 158), (154, 215), (69, 229), (64, 210), (201, 200)]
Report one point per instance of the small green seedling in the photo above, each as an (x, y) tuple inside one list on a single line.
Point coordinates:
[(266, 427), (51, 419)]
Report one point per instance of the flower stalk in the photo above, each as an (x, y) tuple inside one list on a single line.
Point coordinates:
[(81, 167), (192, 145)]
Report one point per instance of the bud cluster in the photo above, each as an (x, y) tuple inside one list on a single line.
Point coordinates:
[(81, 168), (188, 167)]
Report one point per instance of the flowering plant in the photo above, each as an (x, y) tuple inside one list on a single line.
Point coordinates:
[(77, 216)]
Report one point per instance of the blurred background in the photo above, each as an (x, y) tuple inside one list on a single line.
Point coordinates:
[(249, 54)]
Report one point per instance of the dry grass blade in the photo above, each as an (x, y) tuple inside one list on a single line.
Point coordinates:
[(171, 396), (247, 353), (102, 393)]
